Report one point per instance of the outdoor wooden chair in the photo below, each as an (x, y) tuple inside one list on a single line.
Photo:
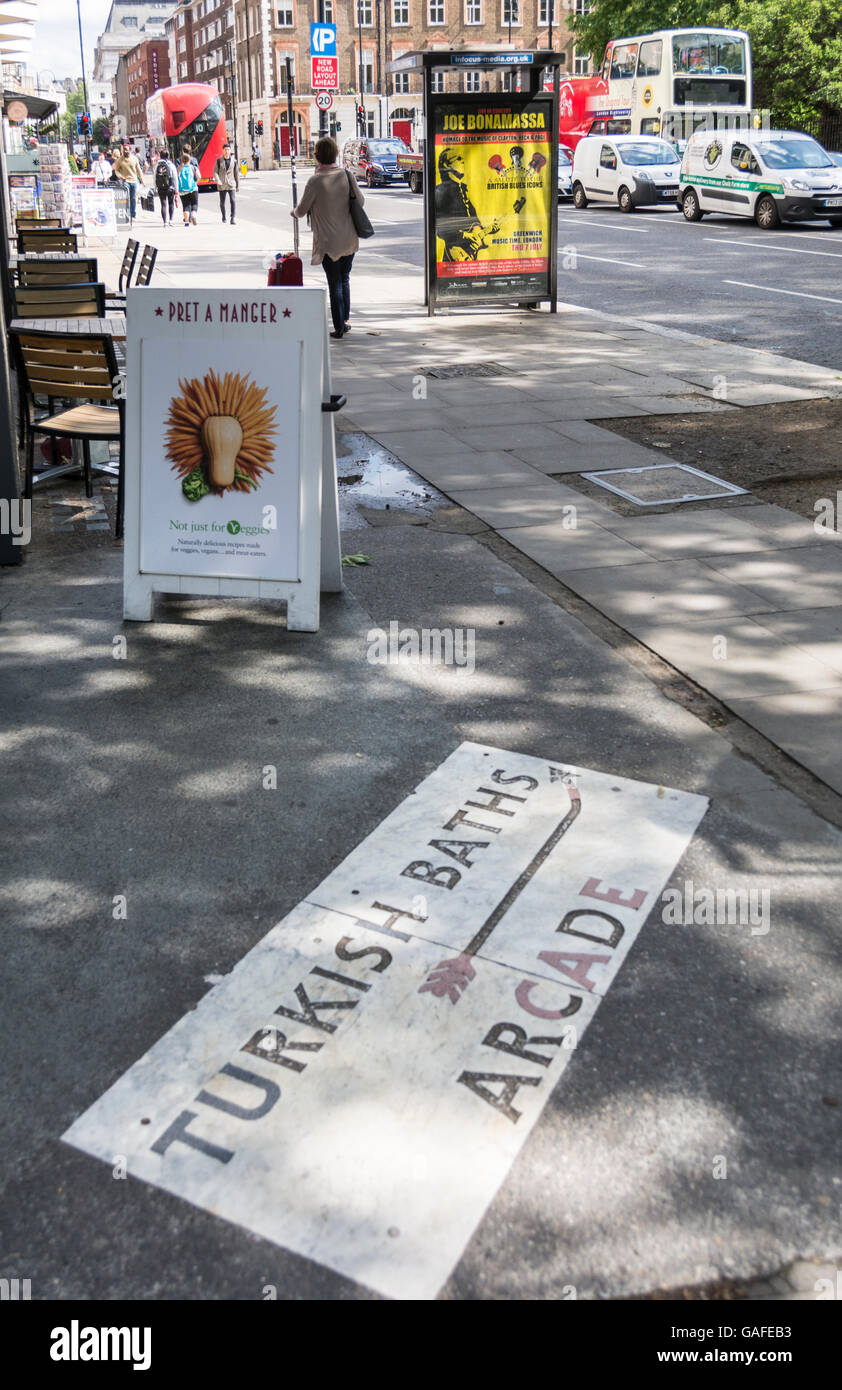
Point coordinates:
[(59, 301), (46, 239), (147, 265), (117, 300), (76, 271), (31, 219), (71, 367)]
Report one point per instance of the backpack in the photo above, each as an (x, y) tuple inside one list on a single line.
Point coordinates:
[(186, 178), (163, 178)]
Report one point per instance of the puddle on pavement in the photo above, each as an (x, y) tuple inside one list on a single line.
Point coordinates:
[(370, 477)]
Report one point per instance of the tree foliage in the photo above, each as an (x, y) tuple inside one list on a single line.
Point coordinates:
[(797, 48)]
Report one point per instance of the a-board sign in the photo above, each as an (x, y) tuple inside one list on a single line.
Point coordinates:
[(99, 218), (226, 447), (79, 183), (122, 210), (495, 195), (358, 1087)]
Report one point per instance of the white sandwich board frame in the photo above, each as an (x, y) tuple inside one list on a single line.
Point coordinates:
[(278, 338)]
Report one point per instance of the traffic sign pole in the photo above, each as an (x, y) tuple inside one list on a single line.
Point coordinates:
[(290, 81)]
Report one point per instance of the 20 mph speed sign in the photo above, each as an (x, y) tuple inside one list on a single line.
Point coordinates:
[(324, 101)]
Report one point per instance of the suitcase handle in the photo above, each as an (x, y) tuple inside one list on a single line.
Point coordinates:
[(335, 403)]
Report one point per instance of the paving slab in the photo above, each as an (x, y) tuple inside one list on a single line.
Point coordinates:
[(525, 505), (804, 724), (459, 473), (559, 548), (413, 446), (686, 589), (808, 577), (720, 531), (815, 631), (528, 436), (735, 657)]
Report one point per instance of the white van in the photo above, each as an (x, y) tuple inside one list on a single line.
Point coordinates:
[(625, 170), (770, 175)]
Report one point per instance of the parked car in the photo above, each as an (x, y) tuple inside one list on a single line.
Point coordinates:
[(625, 170), (770, 175), (565, 172), (374, 161)]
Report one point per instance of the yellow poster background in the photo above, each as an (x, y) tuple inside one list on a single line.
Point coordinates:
[(493, 204)]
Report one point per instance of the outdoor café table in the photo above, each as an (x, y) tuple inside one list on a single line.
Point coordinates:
[(15, 257), (113, 326)]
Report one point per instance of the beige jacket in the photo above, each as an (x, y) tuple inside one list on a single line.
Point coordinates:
[(326, 197), (226, 179), (128, 168)]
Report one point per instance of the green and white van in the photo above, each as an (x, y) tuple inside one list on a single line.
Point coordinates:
[(770, 175)]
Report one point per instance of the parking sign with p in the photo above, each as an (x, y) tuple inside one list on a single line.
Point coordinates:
[(324, 62)]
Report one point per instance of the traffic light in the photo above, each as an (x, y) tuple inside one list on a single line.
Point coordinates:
[(260, 127), (85, 125), (251, 126)]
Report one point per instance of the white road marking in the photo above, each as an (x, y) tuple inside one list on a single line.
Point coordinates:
[(358, 1087), (609, 260), (753, 245), (798, 294), (609, 226)]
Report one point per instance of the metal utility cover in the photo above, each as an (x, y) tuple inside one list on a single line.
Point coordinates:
[(656, 484), (455, 369)]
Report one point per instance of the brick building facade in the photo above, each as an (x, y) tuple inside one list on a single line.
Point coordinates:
[(147, 69)]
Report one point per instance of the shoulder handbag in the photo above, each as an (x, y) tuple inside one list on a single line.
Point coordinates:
[(359, 216)]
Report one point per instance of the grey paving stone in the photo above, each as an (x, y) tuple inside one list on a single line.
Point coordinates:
[(583, 432), (470, 471), (769, 393), (529, 436), (596, 458), (419, 444), (685, 589), (805, 725), (525, 505), (676, 534), (506, 412), (559, 548), (735, 656), (674, 405), (816, 631), (559, 460), (808, 577)]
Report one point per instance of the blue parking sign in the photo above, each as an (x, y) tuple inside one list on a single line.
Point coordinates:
[(323, 40)]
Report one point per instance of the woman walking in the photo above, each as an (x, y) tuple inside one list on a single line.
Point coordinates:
[(335, 241), (188, 189)]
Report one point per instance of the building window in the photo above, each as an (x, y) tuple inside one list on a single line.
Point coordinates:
[(581, 64), (473, 82), (547, 12), (437, 81), (182, 69), (435, 12), (368, 73), (400, 13), (473, 11), (286, 19), (324, 16), (364, 8), (583, 6), (401, 80), (511, 12)]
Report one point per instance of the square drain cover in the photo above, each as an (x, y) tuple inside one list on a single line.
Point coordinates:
[(656, 484), (466, 369)]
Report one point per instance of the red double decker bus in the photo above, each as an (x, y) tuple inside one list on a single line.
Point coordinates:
[(188, 114)]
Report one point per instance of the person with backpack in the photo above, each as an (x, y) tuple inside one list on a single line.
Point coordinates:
[(188, 189), (227, 177), (166, 182)]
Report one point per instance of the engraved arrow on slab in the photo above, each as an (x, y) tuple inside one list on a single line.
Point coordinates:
[(451, 977)]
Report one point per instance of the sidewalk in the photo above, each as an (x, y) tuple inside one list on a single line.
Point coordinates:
[(144, 777)]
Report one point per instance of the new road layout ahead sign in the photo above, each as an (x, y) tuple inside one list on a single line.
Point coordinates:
[(324, 62), (358, 1087)]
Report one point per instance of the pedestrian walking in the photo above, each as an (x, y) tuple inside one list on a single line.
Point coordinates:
[(127, 168), (326, 197), (227, 177), (188, 189), (102, 169), (255, 155), (166, 184)]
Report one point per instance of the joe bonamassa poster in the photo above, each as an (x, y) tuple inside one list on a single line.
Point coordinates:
[(494, 187)]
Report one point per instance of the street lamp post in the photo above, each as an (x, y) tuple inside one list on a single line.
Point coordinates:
[(233, 68), (84, 87), (248, 71), (361, 107)]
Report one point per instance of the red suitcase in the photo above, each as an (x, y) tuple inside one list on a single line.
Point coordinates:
[(287, 270)]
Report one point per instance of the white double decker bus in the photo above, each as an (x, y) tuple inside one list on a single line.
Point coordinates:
[(668, 83)]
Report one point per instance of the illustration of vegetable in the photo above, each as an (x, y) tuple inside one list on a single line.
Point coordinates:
[(220, 434)]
